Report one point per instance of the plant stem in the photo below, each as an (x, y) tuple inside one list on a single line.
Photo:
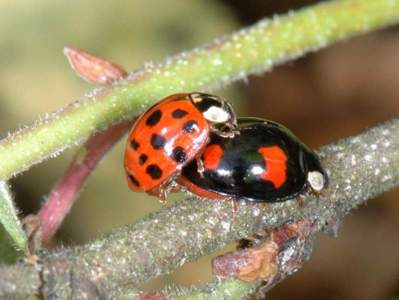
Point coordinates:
[(59, 202), (19, 281), (248, 51), (223, 289), (65, 192), (360, 168)]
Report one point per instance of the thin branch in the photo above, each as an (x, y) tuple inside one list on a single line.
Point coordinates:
[(249, 51), (260, 267), (19, 281), (65, 192), (233, 289), (360, 168)]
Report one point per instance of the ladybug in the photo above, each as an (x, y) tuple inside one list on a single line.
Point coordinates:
[(169, 135), (264, 163)]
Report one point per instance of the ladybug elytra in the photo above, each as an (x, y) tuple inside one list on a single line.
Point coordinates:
[(264, 163), (169, 135)]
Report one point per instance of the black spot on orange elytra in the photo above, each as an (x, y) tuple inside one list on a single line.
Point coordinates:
[(143, 158), (179, 155), (134, 144), (154, 171), (134, 180), (157, 141), (154, 118), (190, 126), (179, 113)]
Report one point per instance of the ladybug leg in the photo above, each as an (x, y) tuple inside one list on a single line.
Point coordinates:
[(232, 127), (308, 191), (232, 123), (164, 189), (176, 187), (234, 207), (311, 191), (200, 167), (162, 195), (228, 130), (169, 186), (319, 194), (159, 192), (263, 205), (301, 201), (222, 133)]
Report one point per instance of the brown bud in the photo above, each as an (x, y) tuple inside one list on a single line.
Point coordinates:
[(287, 232), (32, 227), (93, 69), (258, 262)]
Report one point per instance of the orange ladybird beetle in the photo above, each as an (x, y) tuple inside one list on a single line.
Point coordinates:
[(169, 135)]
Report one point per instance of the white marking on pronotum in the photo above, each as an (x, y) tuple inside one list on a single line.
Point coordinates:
[(216, 114)]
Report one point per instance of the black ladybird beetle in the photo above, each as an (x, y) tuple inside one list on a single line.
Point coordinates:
[(169, 135), (264, 163)]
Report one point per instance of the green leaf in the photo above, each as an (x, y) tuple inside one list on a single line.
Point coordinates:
[(8, 251), (9, 218)]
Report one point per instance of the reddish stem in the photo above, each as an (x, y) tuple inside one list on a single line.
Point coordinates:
[(65, 192), (63, 195)]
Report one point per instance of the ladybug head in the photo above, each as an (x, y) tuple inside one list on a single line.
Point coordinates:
[(213, 108), (316, 176), (316, 180)]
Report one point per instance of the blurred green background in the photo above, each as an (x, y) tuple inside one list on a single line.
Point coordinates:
[(331, 94)]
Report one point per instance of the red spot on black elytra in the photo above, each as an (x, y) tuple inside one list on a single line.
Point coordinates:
[(276, 165), (179, 113), (154, 171), (212, 156), (190, 126), (157, 141), (154, 118)]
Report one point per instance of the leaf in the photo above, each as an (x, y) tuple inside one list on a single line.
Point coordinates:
[(8, 251), (9, 217)]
